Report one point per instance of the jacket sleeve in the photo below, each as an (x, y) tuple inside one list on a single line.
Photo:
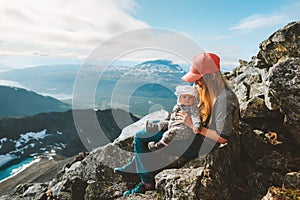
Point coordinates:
[(224, 115), (175, 110), (195, 115), (172, 116)]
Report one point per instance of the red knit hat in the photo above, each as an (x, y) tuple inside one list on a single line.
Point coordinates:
[(202, 64)]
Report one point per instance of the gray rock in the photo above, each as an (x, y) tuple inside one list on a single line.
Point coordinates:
[(284, 93), (292, 180), (179, 183), (283, 44)]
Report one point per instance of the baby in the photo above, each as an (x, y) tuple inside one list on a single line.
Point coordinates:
[(187, 102)]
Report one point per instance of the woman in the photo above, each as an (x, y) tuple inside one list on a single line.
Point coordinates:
[(219, 111)]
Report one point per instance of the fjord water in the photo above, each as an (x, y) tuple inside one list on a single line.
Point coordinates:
[(11, 169)]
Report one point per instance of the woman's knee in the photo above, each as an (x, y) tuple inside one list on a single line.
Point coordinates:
[(141, 133), (140, 138), (144, 136)]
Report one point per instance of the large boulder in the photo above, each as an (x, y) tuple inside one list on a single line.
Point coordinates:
[(268, 88), (281, 45), (283, 92)]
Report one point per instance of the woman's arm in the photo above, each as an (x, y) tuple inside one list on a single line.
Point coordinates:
[(211, 134)]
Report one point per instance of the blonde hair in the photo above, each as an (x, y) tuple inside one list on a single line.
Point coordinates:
[(213, 84)]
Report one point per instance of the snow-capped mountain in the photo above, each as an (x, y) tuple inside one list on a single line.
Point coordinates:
[(162, 66), (159, 71)]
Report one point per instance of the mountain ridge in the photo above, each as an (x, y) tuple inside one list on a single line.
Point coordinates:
[(43, 133), (136, 79), (18, 101)]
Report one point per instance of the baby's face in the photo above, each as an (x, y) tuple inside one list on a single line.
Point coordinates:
[(187, 99)]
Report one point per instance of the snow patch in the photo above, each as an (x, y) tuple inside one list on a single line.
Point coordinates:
[(2, 141), (24, 138)]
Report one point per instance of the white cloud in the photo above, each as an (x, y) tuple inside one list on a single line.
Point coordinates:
[(254, 22), (280, 17), (54, 25), (127, 5), (40, 53), (146, 44), (55, 29)]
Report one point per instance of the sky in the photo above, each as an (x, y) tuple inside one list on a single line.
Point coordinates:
[(43, 32)]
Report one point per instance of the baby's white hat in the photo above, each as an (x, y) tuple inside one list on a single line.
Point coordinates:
[(186, 89)]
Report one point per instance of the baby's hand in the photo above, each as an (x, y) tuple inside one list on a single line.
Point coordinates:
[(152, 146), (152, 127), (185, 119)]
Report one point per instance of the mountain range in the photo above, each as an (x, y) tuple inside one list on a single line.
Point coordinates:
[(126, 87)]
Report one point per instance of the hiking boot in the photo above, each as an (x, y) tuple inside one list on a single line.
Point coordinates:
[(129, 168), (140, 188)]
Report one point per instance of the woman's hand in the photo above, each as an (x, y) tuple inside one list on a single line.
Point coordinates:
[(185, 119)]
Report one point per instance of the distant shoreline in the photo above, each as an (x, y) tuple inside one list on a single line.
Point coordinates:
[(20, 168)]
